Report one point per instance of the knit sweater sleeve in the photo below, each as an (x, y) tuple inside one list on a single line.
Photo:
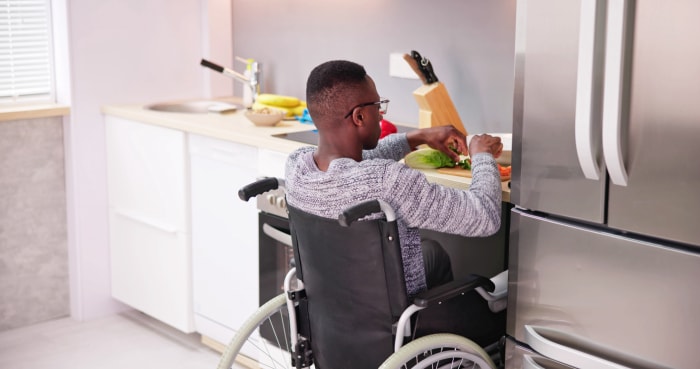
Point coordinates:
[(394, 147), (475, 212)]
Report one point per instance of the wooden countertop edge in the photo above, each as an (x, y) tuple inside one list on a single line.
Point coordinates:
[(33, 111), (229, 127), (460, 182), (236, 128)]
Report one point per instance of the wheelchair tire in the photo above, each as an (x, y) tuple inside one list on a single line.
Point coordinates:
[(441, 350), (256, 348)]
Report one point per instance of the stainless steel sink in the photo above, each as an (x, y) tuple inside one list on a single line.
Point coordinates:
[(196, 107)]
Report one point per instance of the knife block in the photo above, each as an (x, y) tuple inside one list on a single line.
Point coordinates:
[(436, 107)]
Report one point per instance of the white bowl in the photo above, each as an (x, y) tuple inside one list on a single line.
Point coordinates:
[(265, 116)]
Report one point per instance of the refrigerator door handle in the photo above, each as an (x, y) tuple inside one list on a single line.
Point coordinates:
[(612, 91), (564, 354), (529, 362), (583, 125)]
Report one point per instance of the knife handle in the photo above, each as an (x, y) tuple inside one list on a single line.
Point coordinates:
[(430, 73), (414, 65)]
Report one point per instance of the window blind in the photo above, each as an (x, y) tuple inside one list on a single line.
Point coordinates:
[(26, 70)]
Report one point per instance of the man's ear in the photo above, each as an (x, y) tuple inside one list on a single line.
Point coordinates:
[(357, 119)]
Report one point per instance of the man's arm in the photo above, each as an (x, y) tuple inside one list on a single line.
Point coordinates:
[(475, 212), (394, 147)]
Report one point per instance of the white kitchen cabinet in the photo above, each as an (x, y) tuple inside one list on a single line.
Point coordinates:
[(148, 220), (224, 235), (271, 163)]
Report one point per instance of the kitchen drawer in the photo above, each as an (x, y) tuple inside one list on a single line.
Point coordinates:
[(148, 220), (631, 301)]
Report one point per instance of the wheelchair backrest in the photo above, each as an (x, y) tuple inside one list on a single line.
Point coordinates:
[(355, 287)]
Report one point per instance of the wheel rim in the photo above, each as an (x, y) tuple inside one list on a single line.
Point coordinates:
[(438, 351), (269, 352)]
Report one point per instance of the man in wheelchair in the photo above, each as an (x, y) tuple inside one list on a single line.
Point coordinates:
[(352, 165), (364, 282)]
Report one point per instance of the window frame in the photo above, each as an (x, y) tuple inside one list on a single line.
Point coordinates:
[(15, 96)]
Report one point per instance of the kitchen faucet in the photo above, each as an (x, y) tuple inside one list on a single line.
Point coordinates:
[(252, 79)]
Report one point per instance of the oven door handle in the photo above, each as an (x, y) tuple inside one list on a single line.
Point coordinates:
[(277, 235)]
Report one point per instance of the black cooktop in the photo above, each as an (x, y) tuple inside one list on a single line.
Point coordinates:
[(311, 137), (308, 137)]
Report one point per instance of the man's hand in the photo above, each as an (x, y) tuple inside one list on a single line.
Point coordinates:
[(485, 143), (444, 138)]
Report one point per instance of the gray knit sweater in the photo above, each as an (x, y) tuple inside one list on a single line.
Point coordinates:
[(417, 203)]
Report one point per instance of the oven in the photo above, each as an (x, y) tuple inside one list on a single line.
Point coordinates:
[(275, 250)]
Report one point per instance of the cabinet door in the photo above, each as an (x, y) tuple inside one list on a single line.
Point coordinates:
[(271, 163), (149, 238), (224, 235)]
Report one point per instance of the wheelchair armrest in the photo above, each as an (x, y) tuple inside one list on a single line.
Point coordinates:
[(449, 290), (501, 290)]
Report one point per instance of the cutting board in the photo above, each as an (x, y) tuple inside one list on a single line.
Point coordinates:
[(463, 173)]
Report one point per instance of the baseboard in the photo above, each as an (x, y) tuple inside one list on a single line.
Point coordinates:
[(220, 347)]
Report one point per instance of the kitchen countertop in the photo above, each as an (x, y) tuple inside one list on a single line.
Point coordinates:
[(236, 127), (11, 113)]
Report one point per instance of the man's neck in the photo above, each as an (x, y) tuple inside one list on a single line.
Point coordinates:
[(329, 151)]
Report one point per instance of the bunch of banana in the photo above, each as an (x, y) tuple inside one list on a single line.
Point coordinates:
[(292, 105)]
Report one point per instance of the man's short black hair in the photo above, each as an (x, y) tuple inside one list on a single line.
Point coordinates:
[(329, 83)]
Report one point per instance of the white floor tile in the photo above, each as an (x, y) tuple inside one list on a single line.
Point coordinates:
[(126, 341)]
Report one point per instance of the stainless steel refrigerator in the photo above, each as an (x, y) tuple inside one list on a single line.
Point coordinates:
[(604, 251)]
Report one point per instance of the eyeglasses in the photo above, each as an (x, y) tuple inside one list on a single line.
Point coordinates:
[(383, 106)]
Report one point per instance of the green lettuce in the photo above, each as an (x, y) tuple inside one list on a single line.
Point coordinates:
[(428, 159)]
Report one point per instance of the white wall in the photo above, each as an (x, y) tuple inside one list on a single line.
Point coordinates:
[(123, 52)]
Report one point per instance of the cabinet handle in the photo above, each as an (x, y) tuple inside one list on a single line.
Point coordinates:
[(277, 235), (147, 221), (564, 354), (583, 124), (612, 93)]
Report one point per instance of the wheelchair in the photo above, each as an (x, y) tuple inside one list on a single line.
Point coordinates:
[(345, 303)]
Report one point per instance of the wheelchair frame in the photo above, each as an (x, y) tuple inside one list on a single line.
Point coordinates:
[(459, 348), (451, 347)]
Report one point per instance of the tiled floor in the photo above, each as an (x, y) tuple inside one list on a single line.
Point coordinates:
[(126, 341)]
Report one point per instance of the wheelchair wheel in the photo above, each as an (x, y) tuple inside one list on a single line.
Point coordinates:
[(439, 351), (271, 351)]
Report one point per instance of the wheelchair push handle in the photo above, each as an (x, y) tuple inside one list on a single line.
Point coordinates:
[(258, 187), (363, 209)]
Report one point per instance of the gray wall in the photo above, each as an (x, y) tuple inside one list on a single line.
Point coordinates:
[(470, 44), (33, 240)]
